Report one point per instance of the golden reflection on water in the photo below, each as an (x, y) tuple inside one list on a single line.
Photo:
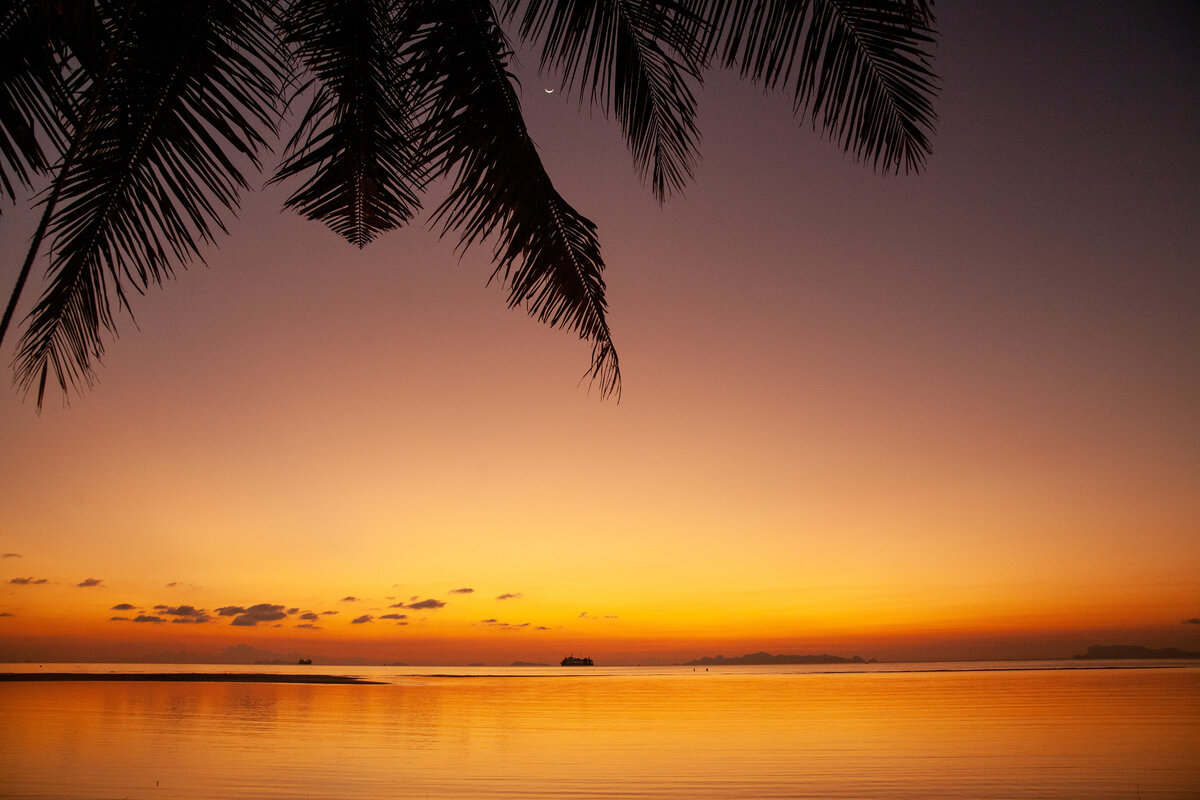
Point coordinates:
[(1093, 733)]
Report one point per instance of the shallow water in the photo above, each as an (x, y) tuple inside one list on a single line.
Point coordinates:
[(769, 732)]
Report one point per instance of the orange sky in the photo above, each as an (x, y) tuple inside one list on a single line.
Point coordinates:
[(951, 415)]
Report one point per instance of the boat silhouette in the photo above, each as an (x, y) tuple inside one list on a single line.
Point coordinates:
[(572, 661)]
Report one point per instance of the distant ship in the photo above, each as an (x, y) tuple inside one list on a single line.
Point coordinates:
[(572, 661), (305, 661)]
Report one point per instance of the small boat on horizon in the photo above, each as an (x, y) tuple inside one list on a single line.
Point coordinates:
[(572, 661)]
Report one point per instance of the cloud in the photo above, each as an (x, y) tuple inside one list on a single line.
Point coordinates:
[(323, 613), (1192, 621), (350, 599), (230, 611), (308, 625), (292, 610), (118, 619), (6, 614), (89, 582), (29, 581), (464, 590), (148, 618), (491, 621), (508, 626), (261, 612), (310, 616), (124, 607), (541, 628), (586, 615), (509, 596), (394, 616), (185, 613), (424, 604), (172, 584), (10, 555), (397, 605), (361, 620)]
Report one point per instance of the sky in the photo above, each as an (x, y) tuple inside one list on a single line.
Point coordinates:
[(953, 415)]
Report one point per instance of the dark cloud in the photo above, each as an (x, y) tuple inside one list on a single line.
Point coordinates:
[(361, 620), (29, 581), (394, 616), (261, 612), (230, 611), (118, 619), (397, 605), (491, 621), (1192, 621), (148, 618), (292, 610), (123, 607), (308, 625), (464, 590), (424, 604), (508, 626), (172, 584), (87, 583), (6, 614), (323, 613), (586, 615), (10, 555), (185, 613), (541, 628), (509, 596), (350, 599), (310, 616)]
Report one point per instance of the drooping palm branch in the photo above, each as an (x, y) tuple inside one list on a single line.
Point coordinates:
[(150, 110), (357, 142), (184, 85), (546, 252), (861, 68), (636, 60)]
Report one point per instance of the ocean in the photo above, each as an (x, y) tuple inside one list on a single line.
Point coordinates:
[(948, 731)]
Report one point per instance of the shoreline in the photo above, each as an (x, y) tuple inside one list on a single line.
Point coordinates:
[(184, 677)]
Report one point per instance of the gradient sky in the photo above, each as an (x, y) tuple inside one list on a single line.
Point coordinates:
[(953, 415)]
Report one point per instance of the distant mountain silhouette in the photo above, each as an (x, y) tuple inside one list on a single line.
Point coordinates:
[(768, 658), (1098, 651)]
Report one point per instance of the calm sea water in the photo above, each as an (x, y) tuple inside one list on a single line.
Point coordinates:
[(883, 731)]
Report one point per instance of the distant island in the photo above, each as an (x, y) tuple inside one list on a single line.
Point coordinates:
[(1116, 651), (768, 658)]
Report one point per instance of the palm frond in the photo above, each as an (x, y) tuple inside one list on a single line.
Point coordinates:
[(861, 68), (634, 59), (185, 87), (546, 252), (356, 139), (33, 95)]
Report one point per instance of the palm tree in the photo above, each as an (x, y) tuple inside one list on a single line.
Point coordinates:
[(143, 116)]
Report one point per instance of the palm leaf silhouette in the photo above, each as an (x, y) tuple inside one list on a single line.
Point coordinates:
[(547, 253), (151, 173), (357, 141)]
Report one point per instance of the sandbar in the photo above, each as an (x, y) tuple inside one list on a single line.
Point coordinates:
[(181, 677)]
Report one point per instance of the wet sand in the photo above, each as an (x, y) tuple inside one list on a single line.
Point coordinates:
[(180, 677)]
